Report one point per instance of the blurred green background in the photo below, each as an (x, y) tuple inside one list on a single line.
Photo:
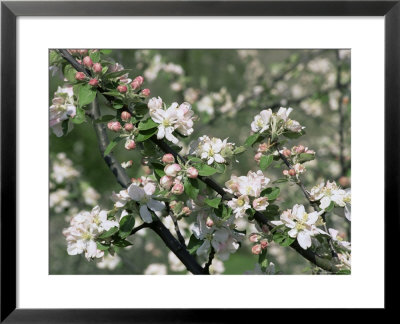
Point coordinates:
[(226, 88)]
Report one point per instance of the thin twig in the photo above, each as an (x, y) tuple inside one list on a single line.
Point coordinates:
[(209, 262)]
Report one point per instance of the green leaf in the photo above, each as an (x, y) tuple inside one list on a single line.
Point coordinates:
[(283, 239), (109, 233), (251, 140), (304, 157), (266, 161), (262, 258), (86, 94), (191, 188), (104, 119), (220, 167), (271, 193), (140, 108), (117, 105), (126, 225), (239, 150), (79, 117), (213, 202), (112, 145), (194, 244), (102, 247), (106, 51), (330, 207), (293, 135), (95, 56), (205, 170), (145, 134), (271, 211), (69, 73), (343, 272), (122, 243), (116, 74), (147, 124), (281, 180), (158, 169)]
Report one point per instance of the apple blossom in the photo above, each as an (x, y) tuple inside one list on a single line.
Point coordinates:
[(97, 68), (63, 107), (292, 172), (262, 121), (168, 158), (254, 237), (127, 164), (129, 127), (260, 204), (177, 189), (250, 185), (137, 82), (114, 126), (146, 92), (94, 82), (155, 103), (122, 88), (256, 249), (166, 182), (80, 76), (186, 211), (192, 172), (87, 61), (146, 202), (172, 169), (213, 149), (126, 116), (338, 239), (239, 205), (258, 157)]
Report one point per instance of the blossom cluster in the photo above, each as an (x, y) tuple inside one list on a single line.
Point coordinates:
[(297, 156), (214, 149), (63, 107), (302, 225), (84, 229), (176, 117), (331, 193), (275, 123), (216, 233), (246, 188)]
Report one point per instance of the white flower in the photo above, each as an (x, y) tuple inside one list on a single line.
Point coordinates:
[(120, 199), (239, 205), (250, 185), (155, 103), (210, 149), (146, 202), (261, 122), (62, 108), (91, 196), (332, 193), (84, 229), (184, 124), (301, 224), (283, 113), (156, 269), (110, 262), (260, 204), (58, 200), (62, 169), (217, 267), (294, 126), (338, 239), (206, 105)]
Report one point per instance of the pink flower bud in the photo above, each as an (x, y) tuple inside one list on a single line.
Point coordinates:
[(130, 145), (253, 238), (94, 82), (173, 204), (209, 222), (264, 244), (137, 82), (186, 211), (146, 92), (172, 169), (87, 61), (257, 157), (168, 158), (192, 172), (310, 151), (263, 147), (122, 88), (125, 116), (177, 189), (292, 172), (166, 182), (256, 249), (97, 68), (286, 153), (80, 76), (82, 51), (299, 149), (285, 172), (128, 127), (114, 126)]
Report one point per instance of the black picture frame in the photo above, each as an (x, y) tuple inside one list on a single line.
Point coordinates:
[(11, 10)]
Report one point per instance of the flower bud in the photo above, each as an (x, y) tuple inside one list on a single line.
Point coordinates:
[(82, 51), (299, 149), (209, 222), (258, 157), (253, 238), (94, 82), (168, 158), (146, 92), (80, 76), (166, 182), (264, 244), (286, 153), (192, 172), (128, 127), (125, 116), (292, 172), (114, 126), (285, 172), (130, 144), (256, 249), (137, 82), (263, 147), (172, 169), (177, 189), (173, 204), (122, 88), (97, 68), (186, 211), (87, 61), (345, 100)]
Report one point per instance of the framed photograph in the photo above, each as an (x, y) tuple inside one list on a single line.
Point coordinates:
[(183, 167)]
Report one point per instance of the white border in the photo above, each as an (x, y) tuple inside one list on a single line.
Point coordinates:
[(364, 288)]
